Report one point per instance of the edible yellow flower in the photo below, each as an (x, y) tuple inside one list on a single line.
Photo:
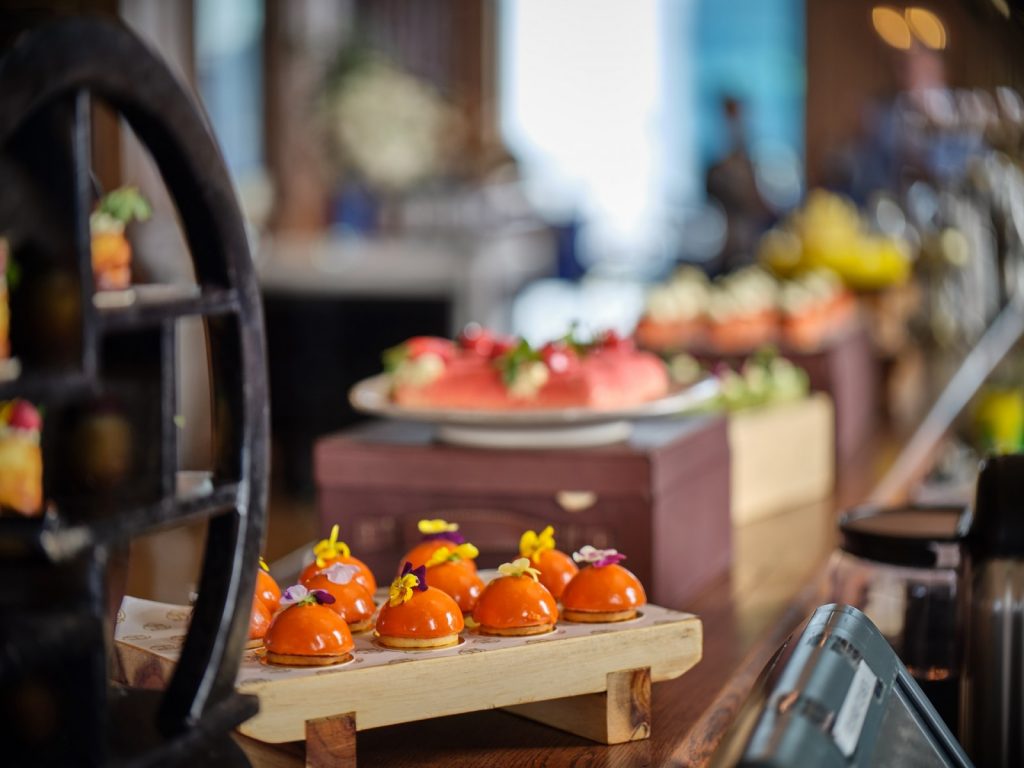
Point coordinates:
[(427, 527), (533, 545), (402, 589), (519, 567), (464, 551), (329, 549), (263, 564)]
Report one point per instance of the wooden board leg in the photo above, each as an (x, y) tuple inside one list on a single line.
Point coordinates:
[(331, 742), (621, 714), (629, 705)]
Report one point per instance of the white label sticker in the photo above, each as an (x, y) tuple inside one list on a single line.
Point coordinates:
[(850, 720)]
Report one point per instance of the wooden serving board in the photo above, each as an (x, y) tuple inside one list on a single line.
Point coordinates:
[(606, 669)]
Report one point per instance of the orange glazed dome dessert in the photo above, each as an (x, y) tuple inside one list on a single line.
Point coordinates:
[(452, 571), (436, 534), (259, 622), (556, 568), (516, 603), (307, 632), (602, 591), (351, 600), (267, 590), (329, 551), (417, 616)]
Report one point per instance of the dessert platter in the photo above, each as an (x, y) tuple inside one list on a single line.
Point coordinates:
[(321, 667), (490, 391), (740, 312)]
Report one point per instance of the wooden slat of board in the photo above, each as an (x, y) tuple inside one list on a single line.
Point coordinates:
[(423, 688)]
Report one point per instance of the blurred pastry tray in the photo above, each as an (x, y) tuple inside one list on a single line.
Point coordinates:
[(607, 668)]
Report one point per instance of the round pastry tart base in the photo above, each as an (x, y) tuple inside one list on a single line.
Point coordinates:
[(253, 644), (599, 617), (539, 629), (295, 660), (416, 643), (361, 626)]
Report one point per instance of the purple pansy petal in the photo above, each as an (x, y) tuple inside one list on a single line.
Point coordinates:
[(610, 560), (453, 536), (323, 596), (293, 594), (421, 574), (407, 568)]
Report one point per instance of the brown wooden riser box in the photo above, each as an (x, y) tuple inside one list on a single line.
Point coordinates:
[(662, 498)]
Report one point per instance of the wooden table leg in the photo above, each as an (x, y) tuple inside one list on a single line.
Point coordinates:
[(331, 742), (621, 714)]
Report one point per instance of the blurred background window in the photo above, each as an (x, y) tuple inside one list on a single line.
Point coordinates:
[(229, 70), (618, 120), (228, 39)]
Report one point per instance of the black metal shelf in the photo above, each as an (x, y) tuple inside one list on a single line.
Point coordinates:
[(148, 305), (60, 542), (47, 83), (50, 387)]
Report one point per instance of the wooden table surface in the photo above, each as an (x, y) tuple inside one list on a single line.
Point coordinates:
[(773, 586)]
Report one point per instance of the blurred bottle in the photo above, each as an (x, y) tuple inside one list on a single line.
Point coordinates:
[(993, 684)]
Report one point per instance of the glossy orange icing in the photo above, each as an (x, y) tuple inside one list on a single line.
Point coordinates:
[(351, 601), (259, 619), (605, 588), (308, 630), (267, 590), (364, 577), (556, 570), (515, 601), (428, 614), (421, 553), (459, 580)]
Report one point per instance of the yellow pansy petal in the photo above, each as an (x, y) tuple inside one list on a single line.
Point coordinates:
[(437, 525), (330, 548), (467, 551), (528, 543), (533, 544), (441, 555), (402, 589), (519, 567)]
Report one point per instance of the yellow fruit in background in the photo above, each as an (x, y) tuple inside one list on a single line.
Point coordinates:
[(999, 420), (828, 233)]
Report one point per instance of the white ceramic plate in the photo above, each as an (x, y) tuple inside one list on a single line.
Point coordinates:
[(541, 428)]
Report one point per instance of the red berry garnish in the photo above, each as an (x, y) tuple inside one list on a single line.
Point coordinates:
[(24, 416), (476, 338), (429, 345), (611, 340), (558, 356), (501, 345)]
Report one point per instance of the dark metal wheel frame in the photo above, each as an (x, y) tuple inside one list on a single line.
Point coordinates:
[(71, 62)]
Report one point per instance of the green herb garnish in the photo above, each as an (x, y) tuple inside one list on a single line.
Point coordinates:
[(511, 362), (393, 357), (125, 204)]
